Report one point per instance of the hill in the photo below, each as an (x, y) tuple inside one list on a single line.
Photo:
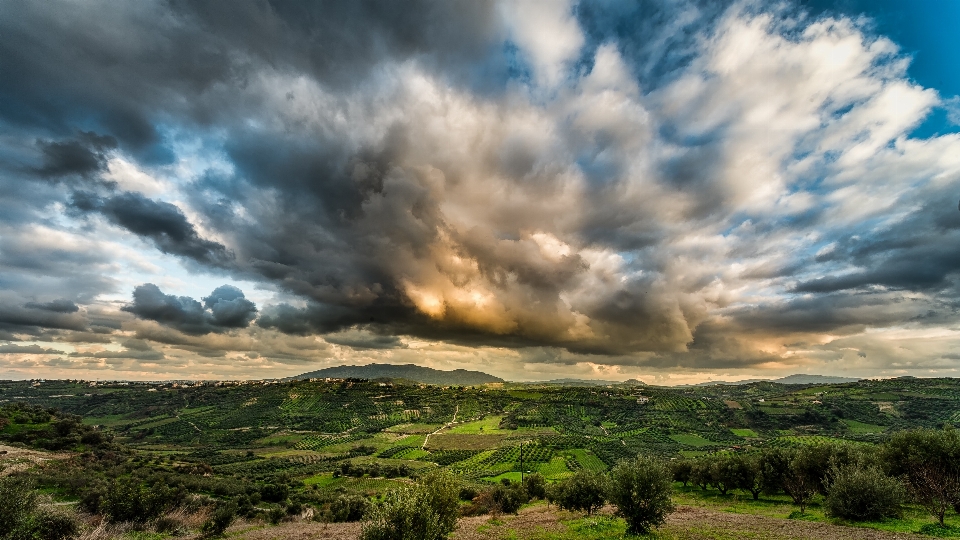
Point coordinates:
[(411, 372), (796, 378)]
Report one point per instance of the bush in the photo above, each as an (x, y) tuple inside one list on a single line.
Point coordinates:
[(222, 517), (21, 519), (128, 500), (583, 492), (864, 494), (348, 508), (17, 503), (275, 492), (425, 511), (276, 515), (46, 525), (641, 490)]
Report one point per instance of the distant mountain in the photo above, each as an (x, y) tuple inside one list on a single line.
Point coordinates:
[(409, 372), (814, 379), (591, 382), (796, 378), (578, 382)]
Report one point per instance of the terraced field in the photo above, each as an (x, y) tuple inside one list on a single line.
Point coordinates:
[(307, 430)]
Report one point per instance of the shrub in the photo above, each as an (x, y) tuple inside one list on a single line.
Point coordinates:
[(21, 519), (860, 493), (275, 492), (425, 511), (128, 500), (641, 490), (17, 503), (47, 525), (276, 515), (584, 492), (221, 518), (482, 504), (348, 508)]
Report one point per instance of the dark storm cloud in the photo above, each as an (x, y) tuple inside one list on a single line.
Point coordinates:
[(912, 254), (398, 169), (20, 318), (225, 309), (57, 306), (159, 221), (82, 156), (27, 349), (229, 307), (139, 351)]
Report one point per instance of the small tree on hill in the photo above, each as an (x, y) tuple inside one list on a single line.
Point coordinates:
[(535, 485), (583, 492), (425, 511), (700, 474), (641, 490), (798, 480), (860, 493), (725, 472), (681, 470), (930, 460), (750, 475)]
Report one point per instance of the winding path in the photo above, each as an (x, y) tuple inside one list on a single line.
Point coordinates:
[(441, 428)]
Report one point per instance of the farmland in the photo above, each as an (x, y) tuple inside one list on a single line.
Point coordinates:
[(324, 438)]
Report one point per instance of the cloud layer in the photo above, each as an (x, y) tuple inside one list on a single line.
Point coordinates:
[(669, 189)]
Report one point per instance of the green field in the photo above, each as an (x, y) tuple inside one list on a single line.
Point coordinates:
[(489, 425), (692, 440), (302, 433)]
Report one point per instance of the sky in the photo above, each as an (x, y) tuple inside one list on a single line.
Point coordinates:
[(673, 191)]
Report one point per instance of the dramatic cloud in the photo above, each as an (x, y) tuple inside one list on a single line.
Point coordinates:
[(159, 221), (225, 308), (672, 187)]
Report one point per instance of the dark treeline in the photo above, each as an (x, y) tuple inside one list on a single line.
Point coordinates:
[(857, 482)]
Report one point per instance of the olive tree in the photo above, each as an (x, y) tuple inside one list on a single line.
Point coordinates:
[(641, 489), (427, 510)]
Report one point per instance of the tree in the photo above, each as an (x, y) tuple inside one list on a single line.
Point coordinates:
[(681, 470), (861, 493), (348, 508), (773, 464), (750, 475), (930, 460), (535, 485), (725, 472), (798, 480), (584, 492), (700, 474), (641, 490), (508, 498), (425, 511)]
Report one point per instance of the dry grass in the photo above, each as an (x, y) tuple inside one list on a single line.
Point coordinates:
[(700, 523), (444, 441), (541, 523), (13, 459)]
